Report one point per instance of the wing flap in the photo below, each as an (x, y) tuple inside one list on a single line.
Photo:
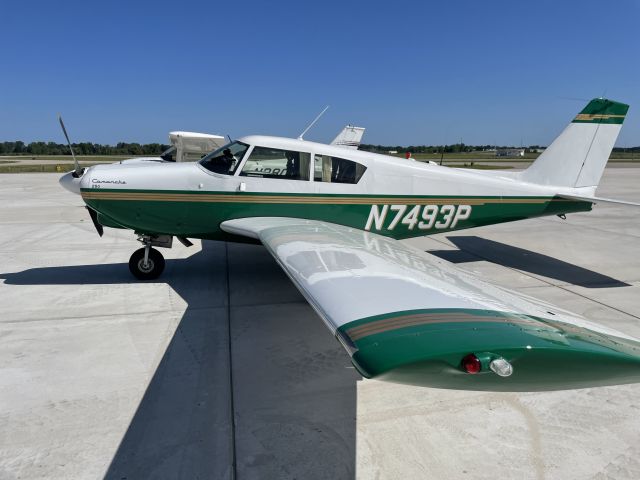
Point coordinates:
[(408, 317)]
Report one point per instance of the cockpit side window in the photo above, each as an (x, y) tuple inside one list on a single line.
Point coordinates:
[(337, 170), (268, 162), (226, 159)]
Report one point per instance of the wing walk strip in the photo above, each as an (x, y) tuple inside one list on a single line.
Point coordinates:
[(394, 323), (347, 200)]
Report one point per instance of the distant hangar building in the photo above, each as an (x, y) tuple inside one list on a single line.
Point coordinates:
[(510, 152)]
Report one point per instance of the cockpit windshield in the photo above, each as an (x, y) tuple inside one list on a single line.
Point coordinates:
[(226, 159)]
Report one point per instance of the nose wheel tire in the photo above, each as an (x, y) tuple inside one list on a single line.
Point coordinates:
[(149, 271)]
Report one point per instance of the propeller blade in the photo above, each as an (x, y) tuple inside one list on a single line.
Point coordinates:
[(94, 218), (78, 170)]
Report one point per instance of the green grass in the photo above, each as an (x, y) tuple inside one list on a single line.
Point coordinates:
[(484, 156), (67, 167), (479, 166), (68, 158), (63, 163), (44, 168), (491, 157), (625, 156)]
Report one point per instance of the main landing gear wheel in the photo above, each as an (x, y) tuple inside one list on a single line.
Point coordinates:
[(147, 268)]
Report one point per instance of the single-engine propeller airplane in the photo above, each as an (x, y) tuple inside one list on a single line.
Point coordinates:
[(333, 219)]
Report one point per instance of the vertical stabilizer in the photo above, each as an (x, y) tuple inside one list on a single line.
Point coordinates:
[(578, 156)]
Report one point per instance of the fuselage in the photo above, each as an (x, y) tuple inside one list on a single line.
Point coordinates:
[(386, 195)]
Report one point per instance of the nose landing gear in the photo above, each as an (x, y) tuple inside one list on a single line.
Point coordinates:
[(147, 263)]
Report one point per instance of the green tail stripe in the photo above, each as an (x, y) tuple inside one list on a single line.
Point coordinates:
[(601, 110)]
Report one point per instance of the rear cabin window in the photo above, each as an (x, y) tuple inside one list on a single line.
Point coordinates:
[(337, 170), (275, 163)]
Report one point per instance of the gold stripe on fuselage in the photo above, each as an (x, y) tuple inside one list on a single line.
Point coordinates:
[(347, 200)]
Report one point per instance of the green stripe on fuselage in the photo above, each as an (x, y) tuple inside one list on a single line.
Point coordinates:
[(146, 211)]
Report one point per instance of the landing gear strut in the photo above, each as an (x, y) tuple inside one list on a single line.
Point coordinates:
[(147, 263)]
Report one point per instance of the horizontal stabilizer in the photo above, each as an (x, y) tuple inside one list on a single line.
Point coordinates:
[(599, 200), (350, 137)]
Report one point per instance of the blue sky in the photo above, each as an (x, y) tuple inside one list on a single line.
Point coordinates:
[(412, 72)]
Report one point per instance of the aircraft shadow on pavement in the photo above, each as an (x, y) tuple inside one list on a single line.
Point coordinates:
[(294, 399), (475, 249)]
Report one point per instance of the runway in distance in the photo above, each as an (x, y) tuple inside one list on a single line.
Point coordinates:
[(334, 219)]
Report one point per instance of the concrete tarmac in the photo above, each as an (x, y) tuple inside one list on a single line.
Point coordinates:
[(220, 369)]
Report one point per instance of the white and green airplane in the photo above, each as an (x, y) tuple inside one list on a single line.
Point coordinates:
[(333, 220)]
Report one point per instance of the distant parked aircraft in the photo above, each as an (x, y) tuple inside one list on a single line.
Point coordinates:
[(192, 146)]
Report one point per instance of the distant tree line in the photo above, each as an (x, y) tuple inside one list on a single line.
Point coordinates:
[(83, 148), (459, 148), (627, 149), (455, 148), (123, 148)]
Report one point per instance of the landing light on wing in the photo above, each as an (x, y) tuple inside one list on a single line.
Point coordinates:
[(501, 367), (473, 364)]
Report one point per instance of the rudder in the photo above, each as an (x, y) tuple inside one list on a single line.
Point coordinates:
[(578, 156)]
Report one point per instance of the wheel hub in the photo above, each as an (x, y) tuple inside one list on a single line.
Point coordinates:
[(145, 268)]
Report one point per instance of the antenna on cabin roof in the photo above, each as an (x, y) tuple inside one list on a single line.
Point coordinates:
[(313, 123)]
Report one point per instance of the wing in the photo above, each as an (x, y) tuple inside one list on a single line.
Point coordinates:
[(408, 317)]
